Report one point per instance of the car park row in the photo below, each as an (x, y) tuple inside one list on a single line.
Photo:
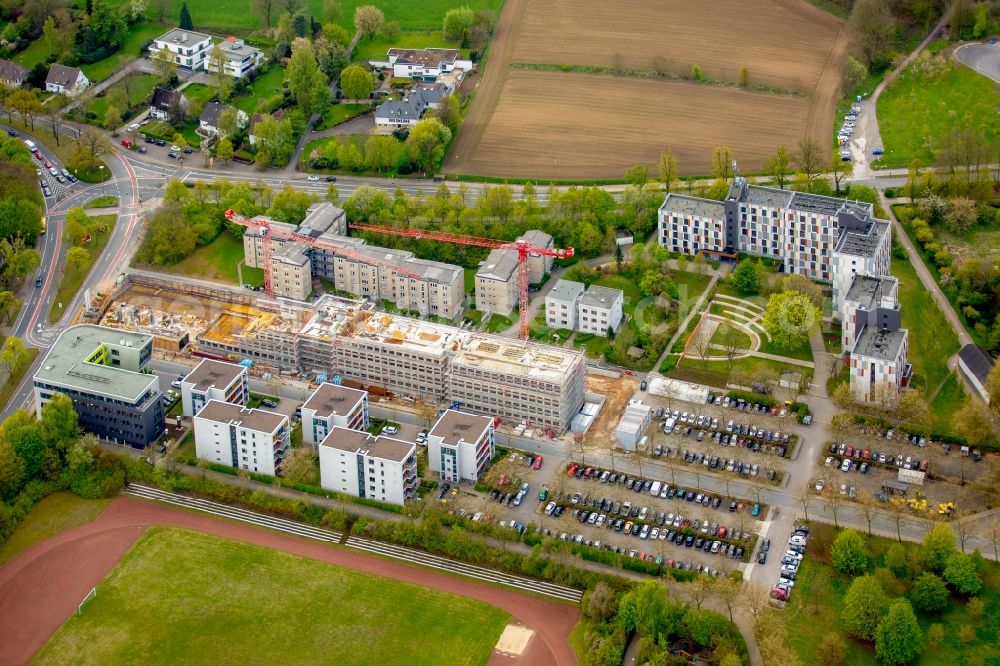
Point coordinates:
[(752, 437), (790, 562), (862, 459)]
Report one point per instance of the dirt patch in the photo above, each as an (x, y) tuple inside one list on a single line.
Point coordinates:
[(617, 393), (514, 640)]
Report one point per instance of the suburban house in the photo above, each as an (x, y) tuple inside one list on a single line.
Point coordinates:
[(12, 74), (460, 446), (394, 114), (240, 58), (257, 117), (67, 80), (188, 48), (375, 467), (423, 64), (332, 406), (600, 308), (497, 283), (163, 99), (976, 366), (214, 380), (561, 304), (208, 122), (233, 435)]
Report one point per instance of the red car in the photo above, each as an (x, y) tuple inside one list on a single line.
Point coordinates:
[(126, 143), (38, 154), (867, 455), (538, 463), (572, 469), (48, 165), (850, 452)]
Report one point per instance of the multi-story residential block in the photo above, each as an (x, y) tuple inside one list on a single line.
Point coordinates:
[(102, 370), (538, 265), (241, 59), (423, 64), (878, 364), (214, 380), (561, 304), (331, 406), (68, 80), (497, 283), (460, 446), (863, 251), (599, 309), (375, 467), (291, 272), (871, 301), (188, 49), (12, 74), (252, 439)]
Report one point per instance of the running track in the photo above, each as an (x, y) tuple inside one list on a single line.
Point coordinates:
[(42, 586)]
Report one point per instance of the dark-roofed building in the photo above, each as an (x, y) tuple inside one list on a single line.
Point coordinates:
[(208, 121), (257, 117), (461, 445), (976, 366), (12, 74), (375, 467), (163, 99), (331, 406), (66, 80), (391, 115), (233, 435), (214, 380)]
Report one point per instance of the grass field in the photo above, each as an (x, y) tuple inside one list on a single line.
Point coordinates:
[(723, 333), (264, 86), (140, 89), (630, 289), (376, 49), (339, 113), (815, 610), (927, 101), (217, 261), (948, 401), (56, 513), (70, 284), (142, 32), (928, 353), (104, 201), (498, 322), (257, 605)]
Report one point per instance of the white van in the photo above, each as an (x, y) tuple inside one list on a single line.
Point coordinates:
[(30, 144), (654, 490)]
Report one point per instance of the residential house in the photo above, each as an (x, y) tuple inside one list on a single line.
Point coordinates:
[(12, 74), (257, 117), (357, 463), (424, 64), (229, 434), (392, 115), (599, 309), (208, 122), (497, 283), (241, 59), (214, 380), (332, 406), (562, 303), (163, 100), (188, 49), (460, 446), (65, 80)]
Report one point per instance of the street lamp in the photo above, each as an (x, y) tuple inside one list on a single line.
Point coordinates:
[(102, 179)]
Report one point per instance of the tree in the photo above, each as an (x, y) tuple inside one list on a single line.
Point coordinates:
[(275, 140), (332, 194), (935, 636), (89, 147), (855, 73), (993, 388), (224, 150), (331, 57), (427, 142), (17, 261), (899, 639), (849, 553), (809, 158), (744, 77), (163, 65), (368, 19), (778, 166), (873, 26), (216, 67), (745, 278), (839, 169), (299, 24), (168, 237), (14, 356), (185, 21), (832, 650), (722, 162), (668, 168), (306, 82), (960, 572), (789, 317), (804, 285), (929, 593), (10, 305), (637, 175), (25, 102), (962, 214), (457, 22), (332, 11), (863, 607), (158, 10), (112, 119), (59, 421), (77, 260), (356, 82)]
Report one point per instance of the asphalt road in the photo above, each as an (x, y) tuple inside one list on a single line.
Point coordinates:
[(984, 58)]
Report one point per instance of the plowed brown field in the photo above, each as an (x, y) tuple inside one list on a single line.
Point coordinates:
[(543, 124)]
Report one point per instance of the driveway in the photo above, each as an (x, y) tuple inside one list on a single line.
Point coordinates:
[(984, 58)]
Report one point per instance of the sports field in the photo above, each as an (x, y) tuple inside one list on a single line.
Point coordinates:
[(187, 597), (562, 124)]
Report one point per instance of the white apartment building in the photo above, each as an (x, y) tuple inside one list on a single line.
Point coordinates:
[(879, 369), (460, 446), (869, 301), (863, 252), (331, 406), (214, 380), (360, 464), (188, 48), (423, 64), (599, 309), (251, 439), (497, 283), (240, 58), (561, 304)]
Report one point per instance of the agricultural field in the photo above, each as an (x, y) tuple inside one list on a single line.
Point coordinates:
[(609, 121), (259, 605)]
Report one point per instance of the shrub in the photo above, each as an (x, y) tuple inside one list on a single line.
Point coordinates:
[(929, 593)]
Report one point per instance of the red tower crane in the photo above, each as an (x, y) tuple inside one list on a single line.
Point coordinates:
[(523, 249), (267, 232)]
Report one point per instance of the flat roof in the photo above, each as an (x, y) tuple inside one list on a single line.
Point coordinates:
[(254, 419), (499, 265), (175, 36), (522, 358), (375, 446), (454, 427), (680, 203), (321, 216), (332, 400), (634, 417), (425, 57), (566, 291), (598, 296), (862, 243), (536, 237), (881, 343), (757, 195), (211, 373), (868, 291), (65, 364)]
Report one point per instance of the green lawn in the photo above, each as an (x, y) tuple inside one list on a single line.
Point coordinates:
[(339, 113), (690, 285), (803, 352), (54, 514), (264, 86), (376, 49), (70, 284), (723, 333), (928, 353), (918, 110), (627, 285), (140, 90), (470, 280), (594, 345), (498, 323), (160, 129), (216, 261), (198, 92), (258, 605), (716, 372), (137, 35), (817, 599), (36, 52), (948, 401), (105, 201)]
